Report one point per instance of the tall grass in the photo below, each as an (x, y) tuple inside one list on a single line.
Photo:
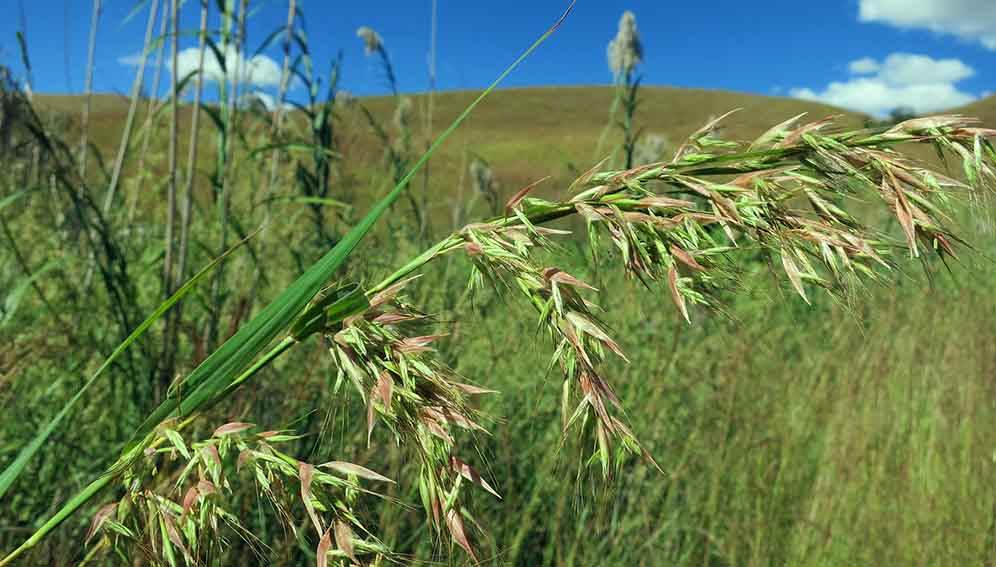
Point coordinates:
[(228, 367), (352, 385)]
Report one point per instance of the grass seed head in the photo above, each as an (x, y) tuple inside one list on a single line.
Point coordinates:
[(372, 42), (625, 51)]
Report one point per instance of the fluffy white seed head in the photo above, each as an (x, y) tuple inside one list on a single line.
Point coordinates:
[(372, 42), (403, 114), (625, 51), (483, 177)]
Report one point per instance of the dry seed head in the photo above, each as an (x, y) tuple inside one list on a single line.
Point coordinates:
[(372, 42), (580, 339), (625, 51), (411, 391), (193, 509), (403, 114), (483, 177)]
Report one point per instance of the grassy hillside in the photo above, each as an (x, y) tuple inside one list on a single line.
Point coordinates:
[(526, 134), (984, 110)]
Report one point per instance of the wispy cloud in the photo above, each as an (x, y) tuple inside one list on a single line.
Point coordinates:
[(257, 71), (133, 60), (901, 80), (973, 20)]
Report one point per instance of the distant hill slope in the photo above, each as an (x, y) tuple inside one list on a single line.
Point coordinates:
[(984, 109), (524, 133), (533, 128)]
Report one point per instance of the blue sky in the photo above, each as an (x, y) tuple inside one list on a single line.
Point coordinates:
[(869, 55)]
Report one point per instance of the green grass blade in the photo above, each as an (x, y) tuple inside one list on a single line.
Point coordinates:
[(13, 299), (9, 199)]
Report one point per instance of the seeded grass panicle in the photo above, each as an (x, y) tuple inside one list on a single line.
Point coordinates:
[(391, 364), (185, 521), (786, 199)]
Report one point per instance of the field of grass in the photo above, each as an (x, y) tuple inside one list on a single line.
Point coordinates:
[(853, 428)]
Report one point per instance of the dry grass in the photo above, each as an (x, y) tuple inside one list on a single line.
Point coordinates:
[(523, 132)]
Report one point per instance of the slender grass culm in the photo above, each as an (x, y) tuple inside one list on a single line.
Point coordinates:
[(624, 54), (705, 355)]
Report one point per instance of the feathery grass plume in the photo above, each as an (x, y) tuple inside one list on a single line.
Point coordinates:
[(482, 176), (397, 151), (397, 148), (784, 194), (484, 182), (193, 515), (372, 42), (403, 115), (402, 145), (625, 51)]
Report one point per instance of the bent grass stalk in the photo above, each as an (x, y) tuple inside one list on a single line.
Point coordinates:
[(226, 366), (660, 236)]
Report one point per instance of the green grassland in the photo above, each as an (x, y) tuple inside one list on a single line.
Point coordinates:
[(858, 430)]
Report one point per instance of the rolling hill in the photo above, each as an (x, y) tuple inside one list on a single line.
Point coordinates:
[(525, 134), (520, 128)]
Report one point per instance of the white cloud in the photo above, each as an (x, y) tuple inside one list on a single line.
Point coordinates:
[(973, 20), (907, 69), (257, 71), (133, 60), (901, 80), (864, 66)]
